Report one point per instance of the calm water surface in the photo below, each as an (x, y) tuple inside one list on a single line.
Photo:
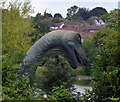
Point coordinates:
[(81, 84)]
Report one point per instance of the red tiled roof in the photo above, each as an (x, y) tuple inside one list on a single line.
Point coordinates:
[(84, 35)]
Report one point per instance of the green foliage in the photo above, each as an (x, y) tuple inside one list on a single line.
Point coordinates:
[(58, 15), (16, 26), (112, 19), (106, 68), (98, 11), (84, 13), (115, 99), (41, 26), (90, 51), (80, 71), (90, 21), (14, 89), (71, 12), (77, 14), (107, 40), (57, 20), (60, 94), (55, 72), (47, 15), (40, 23)]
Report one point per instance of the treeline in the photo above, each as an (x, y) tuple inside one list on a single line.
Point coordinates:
[(75, 13), (78, 14)]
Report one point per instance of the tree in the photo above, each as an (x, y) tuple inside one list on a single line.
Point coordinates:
[(40, 23), (78, 14), (71, 12), (84, 13), (112, 19), (106, 66), (47, 15), (41, 26), (90, 21), (98, 11), (16, 27), (57, 18), (58, 15)]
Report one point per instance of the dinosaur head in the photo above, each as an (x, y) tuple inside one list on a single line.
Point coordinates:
[(75, 53)]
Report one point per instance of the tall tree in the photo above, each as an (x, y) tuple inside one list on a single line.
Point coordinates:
[(58, 15), (77, 14), (57, 18), (47, 14), (17, 24), (41, 23), (84, 13), (71, 12), (41, 26), (98, 11)]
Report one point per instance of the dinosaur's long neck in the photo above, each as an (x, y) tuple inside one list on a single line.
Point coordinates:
[(37, 51)]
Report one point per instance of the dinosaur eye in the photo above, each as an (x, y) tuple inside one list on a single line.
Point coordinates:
[(79, 38)]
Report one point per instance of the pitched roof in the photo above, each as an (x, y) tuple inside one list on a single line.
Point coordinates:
[(65, 23), (84, 35), (68, 28)]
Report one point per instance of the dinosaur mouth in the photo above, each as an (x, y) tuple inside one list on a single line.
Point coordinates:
[(78, 58)]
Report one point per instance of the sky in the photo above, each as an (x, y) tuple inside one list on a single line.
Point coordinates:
[(61, 6)]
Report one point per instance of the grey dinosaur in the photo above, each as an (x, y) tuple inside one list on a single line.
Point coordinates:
[(69, 42)]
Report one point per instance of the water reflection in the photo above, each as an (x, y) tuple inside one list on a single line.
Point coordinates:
[(82, 83), (81, 89)]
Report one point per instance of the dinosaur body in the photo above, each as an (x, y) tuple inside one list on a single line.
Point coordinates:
[(69, 42)]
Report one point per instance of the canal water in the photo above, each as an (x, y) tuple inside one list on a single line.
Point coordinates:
[(82, 83)]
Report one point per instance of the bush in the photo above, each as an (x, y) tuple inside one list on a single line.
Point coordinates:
[(55, 72), (106, 68), (60, 94)]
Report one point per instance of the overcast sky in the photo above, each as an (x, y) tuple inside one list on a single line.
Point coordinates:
[(61, 6)]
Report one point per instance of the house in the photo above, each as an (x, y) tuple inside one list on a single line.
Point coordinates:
[(83, 28), (54, 26), (97, 20)]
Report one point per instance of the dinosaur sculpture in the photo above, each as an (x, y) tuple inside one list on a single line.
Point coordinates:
[(69, 42)]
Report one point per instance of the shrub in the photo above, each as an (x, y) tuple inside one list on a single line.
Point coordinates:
[(55, 72), (106, 70)]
